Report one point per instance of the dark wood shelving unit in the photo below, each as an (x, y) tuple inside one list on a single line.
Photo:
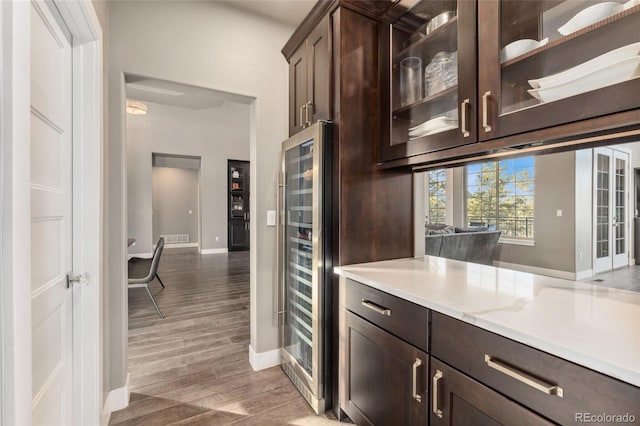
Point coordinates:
[(238, 205)]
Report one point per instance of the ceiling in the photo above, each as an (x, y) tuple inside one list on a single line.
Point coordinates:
[(179, 95), (290, 12)]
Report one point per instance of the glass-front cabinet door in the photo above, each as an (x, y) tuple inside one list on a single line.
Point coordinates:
[(543, 63), (432, 77)]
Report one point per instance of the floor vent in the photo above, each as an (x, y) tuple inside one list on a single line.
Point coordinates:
[(176, 239)]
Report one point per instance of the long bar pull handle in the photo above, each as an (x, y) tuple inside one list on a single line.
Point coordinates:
[(463, 110), (377, 308), (523, 377), (485, 112), (415, 393), (308, 112), (280, 197), (434, 389), (302, 115)]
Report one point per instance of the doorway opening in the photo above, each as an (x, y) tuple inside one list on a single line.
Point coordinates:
[(176, 200)]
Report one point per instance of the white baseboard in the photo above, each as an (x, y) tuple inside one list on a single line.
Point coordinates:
[(140, 255), (263, 360), (116, 400), (214, 251), (537, 270), (584, 274), (181, 245)]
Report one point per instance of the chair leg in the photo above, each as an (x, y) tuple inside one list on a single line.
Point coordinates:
[(153, 300), (161, 283)]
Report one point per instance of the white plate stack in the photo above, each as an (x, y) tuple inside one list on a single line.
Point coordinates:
[(446, 121), (611, 68)]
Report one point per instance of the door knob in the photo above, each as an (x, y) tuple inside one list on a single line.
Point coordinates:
[(82, 279)]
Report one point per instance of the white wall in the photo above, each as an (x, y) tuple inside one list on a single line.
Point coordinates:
[(215, 134), (209, 45)]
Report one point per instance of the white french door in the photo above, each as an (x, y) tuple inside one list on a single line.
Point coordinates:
[(51, 211), (611, 209)]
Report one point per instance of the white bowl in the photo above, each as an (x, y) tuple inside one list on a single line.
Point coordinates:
[(608, 75), (624, 52), (589, 16), (520, 47)]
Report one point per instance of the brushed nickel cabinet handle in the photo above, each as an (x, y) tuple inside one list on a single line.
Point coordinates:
[(463, 110), (434, 401), (308, 113), (415, 394), (485, 112), (523, 377), (377, 308), (302, 115)]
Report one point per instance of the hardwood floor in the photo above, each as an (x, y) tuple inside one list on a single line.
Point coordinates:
[(192, 368)]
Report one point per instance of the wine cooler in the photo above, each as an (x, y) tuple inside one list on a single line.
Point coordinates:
[(304, 260)]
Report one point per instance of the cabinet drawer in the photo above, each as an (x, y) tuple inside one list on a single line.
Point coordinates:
[(525, 374), (408, 321)]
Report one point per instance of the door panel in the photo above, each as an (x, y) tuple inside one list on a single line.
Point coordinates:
[(611, 211), (386, 378), (620, 241), (297, 90), (51, 237), (318, 72)]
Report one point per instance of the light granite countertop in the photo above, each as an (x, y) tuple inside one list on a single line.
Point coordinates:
[(593, 326)]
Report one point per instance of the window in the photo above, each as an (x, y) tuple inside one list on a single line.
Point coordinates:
[(500, 196), (436, 196)]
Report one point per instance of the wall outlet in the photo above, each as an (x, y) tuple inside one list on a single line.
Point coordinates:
[(217, 238), (190, 211)]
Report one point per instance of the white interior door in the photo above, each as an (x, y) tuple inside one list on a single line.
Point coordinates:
[(620, 207), (51, 227), (611, 224)]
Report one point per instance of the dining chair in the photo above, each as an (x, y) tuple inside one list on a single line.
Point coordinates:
[(153, 274)]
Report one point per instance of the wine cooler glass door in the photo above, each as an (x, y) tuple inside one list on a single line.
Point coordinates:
[(299, 254)]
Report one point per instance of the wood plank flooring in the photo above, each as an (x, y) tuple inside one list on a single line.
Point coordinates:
[(192, 368)]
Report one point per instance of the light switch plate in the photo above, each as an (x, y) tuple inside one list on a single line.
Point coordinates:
[(559, 213), (271, 218)]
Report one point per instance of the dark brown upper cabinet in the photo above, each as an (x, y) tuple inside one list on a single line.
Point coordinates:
[(431, 70), (309, 80), (536, 75), (564, 77)]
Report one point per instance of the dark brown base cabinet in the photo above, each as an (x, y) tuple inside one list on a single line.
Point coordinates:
[(383, 377), (458, 400), (386, 377), (475, 377), (551, 386)]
